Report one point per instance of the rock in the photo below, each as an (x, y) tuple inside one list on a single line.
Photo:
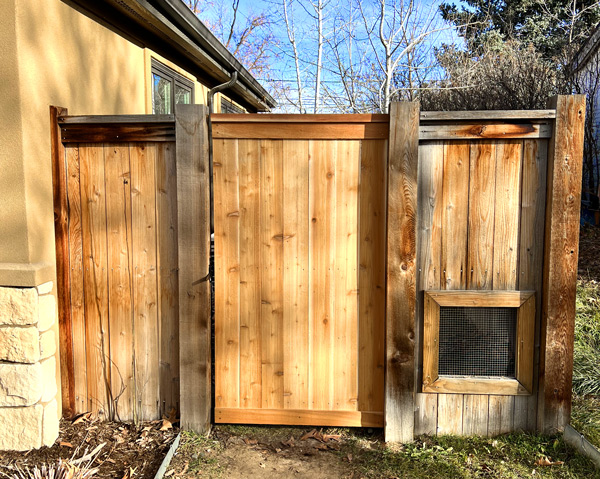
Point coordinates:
[(45, 288), (49, 386), (20, 384), (19, 345), (47, 308), (21, 428), (47, 344), (18, 306), (50, 423)]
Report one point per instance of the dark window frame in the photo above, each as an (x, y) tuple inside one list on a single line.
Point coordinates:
[(227, 106), (176, 79)]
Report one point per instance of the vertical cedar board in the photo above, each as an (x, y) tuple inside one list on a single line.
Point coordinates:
[(76, 296), (63, 280), (227, 279), (193, 238), (429, 254), (120, 260), (295, 274), (560, 262), (401, 272), (250, 277)]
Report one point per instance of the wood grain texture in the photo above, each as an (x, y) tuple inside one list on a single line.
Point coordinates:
[(302, 131), (168, 287), (63, 279), (145, 283), (560, 262), (475, 415), (455, 215), (401, 271), (322, 213), (227, 295), (250, 275), (345, 327), (95, 279), (483, 130), (76, 297), (480, 299), (531, 258), (482, 183), (271, 236), (120, 274), (372, 278), (450, 414), (501, 415), (429, 256), (193, 237), (296, 274), (476, 385), (301, 417)]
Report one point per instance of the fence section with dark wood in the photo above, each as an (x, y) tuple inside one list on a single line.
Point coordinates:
[(120, 279)]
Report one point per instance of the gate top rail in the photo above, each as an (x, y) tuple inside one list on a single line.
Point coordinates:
[(116, 128)]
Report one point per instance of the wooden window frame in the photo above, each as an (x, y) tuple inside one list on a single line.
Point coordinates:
[(522, 384), (177, 80)]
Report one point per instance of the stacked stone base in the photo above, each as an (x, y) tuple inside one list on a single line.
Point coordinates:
[(28, 381)]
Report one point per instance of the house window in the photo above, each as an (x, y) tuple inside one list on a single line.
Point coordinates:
[(168, 89), (229, 107)]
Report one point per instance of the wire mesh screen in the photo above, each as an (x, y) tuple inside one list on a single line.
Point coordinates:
[(477, 341)]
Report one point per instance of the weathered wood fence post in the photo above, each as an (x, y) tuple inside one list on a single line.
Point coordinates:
[(561, 248), (401, 272), (193, 225)]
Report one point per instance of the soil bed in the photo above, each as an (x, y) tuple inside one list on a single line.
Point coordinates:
[(129, 451)]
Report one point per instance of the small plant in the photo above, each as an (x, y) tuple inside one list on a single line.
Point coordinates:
[(62, 470)]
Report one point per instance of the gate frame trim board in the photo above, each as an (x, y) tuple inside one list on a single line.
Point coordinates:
[(193, 237), (401, 284)]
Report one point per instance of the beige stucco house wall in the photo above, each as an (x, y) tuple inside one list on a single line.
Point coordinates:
[(52, 55)]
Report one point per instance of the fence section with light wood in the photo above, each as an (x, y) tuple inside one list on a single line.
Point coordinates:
[(300, 205)]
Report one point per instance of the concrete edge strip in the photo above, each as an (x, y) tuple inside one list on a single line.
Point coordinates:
[(167, 460), (577, 440)]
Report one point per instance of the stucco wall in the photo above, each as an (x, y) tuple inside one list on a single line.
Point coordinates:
[(53, 55)]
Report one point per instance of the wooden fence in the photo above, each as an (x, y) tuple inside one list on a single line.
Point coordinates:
[(329, 230), (300, 268), (123, 277)]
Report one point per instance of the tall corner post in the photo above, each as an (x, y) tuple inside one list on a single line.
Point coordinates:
[(561, 246), (193, 238), (401, 273), (63, 287)]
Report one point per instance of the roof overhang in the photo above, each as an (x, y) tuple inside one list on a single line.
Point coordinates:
[(587, 51), (172, 30)]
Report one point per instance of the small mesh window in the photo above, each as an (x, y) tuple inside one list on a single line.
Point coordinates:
[(477, 341)]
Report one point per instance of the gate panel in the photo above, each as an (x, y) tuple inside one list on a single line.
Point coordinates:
[(123, 281), (299, 271)]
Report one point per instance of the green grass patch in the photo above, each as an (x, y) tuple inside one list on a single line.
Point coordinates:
[(586, 361), (201, 453), (504, 457)]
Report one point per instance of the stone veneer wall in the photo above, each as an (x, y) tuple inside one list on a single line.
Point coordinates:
[(28, 355)]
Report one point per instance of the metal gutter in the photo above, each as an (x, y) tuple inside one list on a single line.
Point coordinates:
[(185, 19)]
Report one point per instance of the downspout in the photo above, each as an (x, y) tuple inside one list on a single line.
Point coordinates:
[(209, 103)]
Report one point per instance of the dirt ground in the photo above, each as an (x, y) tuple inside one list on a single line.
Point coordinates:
[(115, 450), (238, 452)]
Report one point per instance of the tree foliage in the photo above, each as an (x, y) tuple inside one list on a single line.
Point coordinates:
[(551, 26), (513, 76)]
